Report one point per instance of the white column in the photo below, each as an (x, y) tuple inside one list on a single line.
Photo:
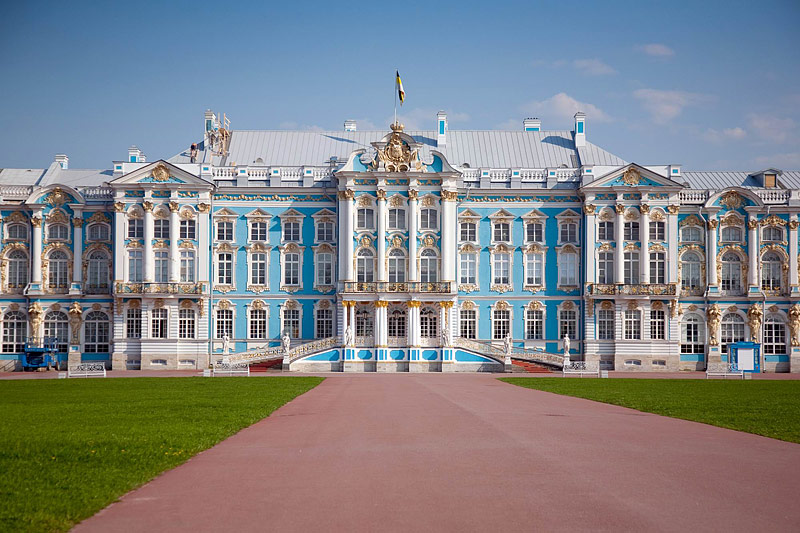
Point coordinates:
[(793, 223), (149, 232), (346, 198), (412, 235), (591, 238), (381, 324), (77, 249), (644, 237), (174, 228), (381, 235), (119, 242), (619, 230), (36, 245), (449, 235), (672, 240), (202, 242), (352, 322), (711, 246), (412, 323), (752, 251)]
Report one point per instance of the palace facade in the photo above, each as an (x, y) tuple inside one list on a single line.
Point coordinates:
[(403, 244)]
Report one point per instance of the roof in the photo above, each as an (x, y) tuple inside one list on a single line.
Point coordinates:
[(20, 176), (77, 178), (723, 179)]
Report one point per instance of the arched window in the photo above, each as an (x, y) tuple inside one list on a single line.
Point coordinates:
[(186, 324), (17, 269), (397, 324), (365, 324), (772, 234), (98, 232), (15, 329), (397, 266), (56, 326), (17, 232), (691, 234), (731, 234), (774, 336), (731, 273), (58, 270), (732, 330), (97, 271), (428, 266), (690, 271), (693, 334), (771, 271), (365, 266), (428, 323), (96, 333), (57, 232)]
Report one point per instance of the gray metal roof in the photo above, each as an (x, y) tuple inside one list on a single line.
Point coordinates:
[(722, 179), (77, 178), (20, 176)]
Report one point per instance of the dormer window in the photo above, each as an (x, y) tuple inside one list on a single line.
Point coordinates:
[(57, 232), (770, 181)]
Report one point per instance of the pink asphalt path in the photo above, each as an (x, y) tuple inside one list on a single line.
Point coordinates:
[(468, 453)]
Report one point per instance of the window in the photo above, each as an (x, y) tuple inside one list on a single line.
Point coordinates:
[(568, 323), (469, 232), (534, 232), (502, 266), (771, 271), (502, 232), (774, 336), (770, 181), (569, 232), (693, 335), (97, 333), (225, 268), (56, 326), (15, 329), (397, 266), (365, 217), (187, 266), (325, 232), (135, 266), (428, 266), (633, 362), (428, 324), (658, 324), (258, 324), (135, 228), (258, 269), (691, 265), (397, 218), (731, 272), (188, 229), (224, 231), (259, 231), (162, 266), (631, 231), (291, 269), (57, 232), (397, 324), (427, 219), (631, 267), (772, 234), (291, 232), (732, 330), (365, 265), (58, 270), (186, 324), (657, 231), (324, 323), (658, 267), (17, 269), (731, 234), (534, 324), (605, 324), (605, 231), (605, 267), (291, 322), (633, 325), (98, 232), (365, 325), (133, 323), (501, 325), (468, 324), (18, 232), (97, 271), (568, 269), (534, 269), (469, 268), (691, 234), (158, 323), (324, 267), (161, 228), (224, 323)]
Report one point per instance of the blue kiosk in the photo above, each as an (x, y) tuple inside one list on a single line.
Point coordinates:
[(745, 356)]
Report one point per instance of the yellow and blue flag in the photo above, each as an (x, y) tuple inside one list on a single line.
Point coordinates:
[(400, 92)]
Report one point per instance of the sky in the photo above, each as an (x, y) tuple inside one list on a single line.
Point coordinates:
[(711, 85)]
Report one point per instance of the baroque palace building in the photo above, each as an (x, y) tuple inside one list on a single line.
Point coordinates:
[(417, 250)]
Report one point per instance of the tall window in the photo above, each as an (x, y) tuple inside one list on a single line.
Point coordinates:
[(258, 323), (469, 232), (605, 267), (771, 271), (187, 266), (224, 231), (397, 266), (501, 324), (324, 323), (428, 266), (135, 266), (633, 325), (774, 336), (691, 234), (397, 218), (56, 326), (365, 265), (690, 270), (291, 322), (97, 232), (534, 269), (568, 269), (291, 232), (631, 231), (657, 231), (502, 268), (57, 232), (631, 267), (18, 232), (658, 324), (97, 271), (502, 232), (158, 323), (162, 266), (225, 268), (188, 229), (258, 268), (259, 231), (693, 335), (97, 333), (135, 228), (161, 228), (732, 330), (731, 234), (468, 324), (133, 323), (605, 231), (569, 232), (15, 329), (186, 324), (365, 325), (469, 268), (772, 234), (324, 267), (534, 324), (428, 323), (397, 324), (325, 232), (17, 269), (731, 272), (658, 267), (58, 270), (568, 323), (291, 266), (224, 323), (428, 219), (534, 232), (605, 324), (365, 218)]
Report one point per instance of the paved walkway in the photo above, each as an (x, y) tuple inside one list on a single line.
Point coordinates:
[(469, 453)]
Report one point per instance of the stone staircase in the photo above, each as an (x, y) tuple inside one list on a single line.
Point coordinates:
[(527, 367)]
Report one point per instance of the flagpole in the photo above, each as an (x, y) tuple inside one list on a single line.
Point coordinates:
[(395, 96)]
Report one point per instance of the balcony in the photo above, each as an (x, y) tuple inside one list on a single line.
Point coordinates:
[(159, 288), (637, 289), (440, 287)]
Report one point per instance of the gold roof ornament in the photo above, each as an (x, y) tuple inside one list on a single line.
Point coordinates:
[(631, 177), (397, 156), (161, 173), (731, 200)]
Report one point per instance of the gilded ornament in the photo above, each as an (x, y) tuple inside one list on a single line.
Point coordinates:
[(36, 222), (673, 209), (731, 200), (396, 201), (754, 319), (381, 303), (147, 205), (619, 208), (607, 304), (712, 223), (589, 209), (657, 215), (794, 324), (161, 173), (413, 194), (75, 315), (793, 224), (203, 207), (645, 209), (502, 305), (174, 207), (413, 303), (397, 156), (381, 194), (77, 222), (449, 196), (713, 317), (397, 242), (773, 220), (56, 198), (631, 177)]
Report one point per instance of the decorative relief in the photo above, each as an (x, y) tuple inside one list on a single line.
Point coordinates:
[(755, 316), (147, 205), (794, 324), (645, 209), (75, 318), (589, 209), (631, 177), (712, 223), (364, 200), (397, 156), (468, 287), (449, 196), (56, 198), (174, 207), (428, 201), (793, 224), (657, 215), (752, 223), (36, 222), (691, 220), (773, 220), (396, 201), (203, 207), (673, 209), (607, 305), (413, 194), (502, 305), (674, 308), (161, 173), (657, 305), (381, 194), (713, 317), (732, 219), (606, 215), (467, 304), (731, 200)]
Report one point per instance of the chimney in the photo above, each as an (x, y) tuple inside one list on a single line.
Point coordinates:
[(62, 160), (580, 129), (349, 125), (134, 154), (441, 129), (531, 124)]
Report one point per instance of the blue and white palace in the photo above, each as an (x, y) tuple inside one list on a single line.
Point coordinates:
[(398, 251)]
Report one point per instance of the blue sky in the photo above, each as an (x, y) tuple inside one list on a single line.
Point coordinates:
[(710, 85)]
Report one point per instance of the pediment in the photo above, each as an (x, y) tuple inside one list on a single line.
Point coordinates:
[(533, 213), (258, 213), (291, 213), (631, 175), (502, 213), (224, 212), (468, 213), (160, 173), (324, 213)]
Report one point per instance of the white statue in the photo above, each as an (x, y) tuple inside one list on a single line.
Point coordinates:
[(445, 337), (348, 336), (287, 342), (226, 344), (507, 344), (566, 349)]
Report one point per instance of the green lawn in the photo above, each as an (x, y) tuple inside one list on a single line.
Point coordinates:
[(769, 408), (70, 447)]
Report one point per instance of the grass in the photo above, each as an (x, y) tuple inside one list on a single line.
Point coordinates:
[(70, 447), (768, 408)]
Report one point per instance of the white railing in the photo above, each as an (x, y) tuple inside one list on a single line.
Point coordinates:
[(499, 174), (308, 348), (223, 172), (538, 356), (15, 191), (258, 172), (291, 173), (97, 193), (471, 174), (774, 196), (693, 196), (257, 355), (567, 174), (529, 174)]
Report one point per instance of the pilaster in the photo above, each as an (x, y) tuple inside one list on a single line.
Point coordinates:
[(119, 241), (412, 235), (174, 234), (77, 258), (149, 229), (644, 237), (381, 235), (36, 253), (620, 234)]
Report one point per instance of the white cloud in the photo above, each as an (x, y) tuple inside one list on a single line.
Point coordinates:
[(789, 160), (593, 67), (421, 119), (718, 136), (772, 128), (666, 105), (562, 106), (291, 125), (656, 50)]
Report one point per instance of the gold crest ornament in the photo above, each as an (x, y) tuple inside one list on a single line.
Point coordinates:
[(631, 177), (161, 173)]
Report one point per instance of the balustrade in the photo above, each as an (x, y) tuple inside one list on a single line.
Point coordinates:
[(439, 287)]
